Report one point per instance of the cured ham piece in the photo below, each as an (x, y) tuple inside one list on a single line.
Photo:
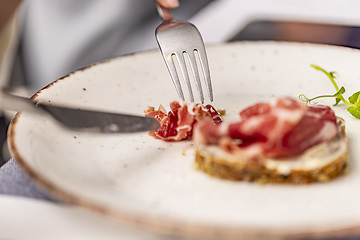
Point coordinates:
[(178, 124), (280, 128)]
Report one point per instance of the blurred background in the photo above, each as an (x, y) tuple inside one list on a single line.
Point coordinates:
[(43, 40)]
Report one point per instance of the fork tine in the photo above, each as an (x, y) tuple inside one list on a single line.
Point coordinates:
[(182, 65), (205, 67), (175, 39), (196, 75), (174, 76)]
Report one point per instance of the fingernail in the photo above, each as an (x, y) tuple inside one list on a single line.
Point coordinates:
[(173, 3)]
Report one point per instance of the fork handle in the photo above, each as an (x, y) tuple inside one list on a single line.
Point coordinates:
[(164, 13)]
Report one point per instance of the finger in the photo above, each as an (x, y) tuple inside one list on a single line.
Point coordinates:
[(168, 3)]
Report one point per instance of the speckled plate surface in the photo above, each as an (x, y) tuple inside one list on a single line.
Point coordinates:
[(153, 184)]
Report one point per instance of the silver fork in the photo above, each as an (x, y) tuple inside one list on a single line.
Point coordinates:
[(177, 41)]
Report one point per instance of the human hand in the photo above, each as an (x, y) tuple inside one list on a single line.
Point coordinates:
[(168, 3)]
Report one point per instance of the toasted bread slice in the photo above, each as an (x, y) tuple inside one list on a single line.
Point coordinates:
[(318, 164)]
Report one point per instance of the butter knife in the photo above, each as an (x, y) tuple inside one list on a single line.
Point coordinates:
[(80, 120)]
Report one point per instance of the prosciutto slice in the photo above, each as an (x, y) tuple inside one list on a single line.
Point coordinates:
[(178, 124), (280, 128)]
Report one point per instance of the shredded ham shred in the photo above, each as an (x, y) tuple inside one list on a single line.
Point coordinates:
[(280, 128), (178, 124)]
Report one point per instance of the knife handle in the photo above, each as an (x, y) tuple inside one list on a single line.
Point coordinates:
[(15, 103)]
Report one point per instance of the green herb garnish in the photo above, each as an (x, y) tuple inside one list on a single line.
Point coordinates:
[(353, 102)]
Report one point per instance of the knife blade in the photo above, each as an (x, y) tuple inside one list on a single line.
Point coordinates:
[(93, 121)]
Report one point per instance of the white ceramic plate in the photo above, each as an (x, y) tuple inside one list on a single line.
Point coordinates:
[(153, 184)]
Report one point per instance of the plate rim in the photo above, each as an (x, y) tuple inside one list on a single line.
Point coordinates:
[(163, 225)]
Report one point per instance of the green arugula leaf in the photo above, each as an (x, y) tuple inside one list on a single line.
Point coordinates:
[(338, 96), (341, 91), (354, 100), (355, 111), (337, 100)]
